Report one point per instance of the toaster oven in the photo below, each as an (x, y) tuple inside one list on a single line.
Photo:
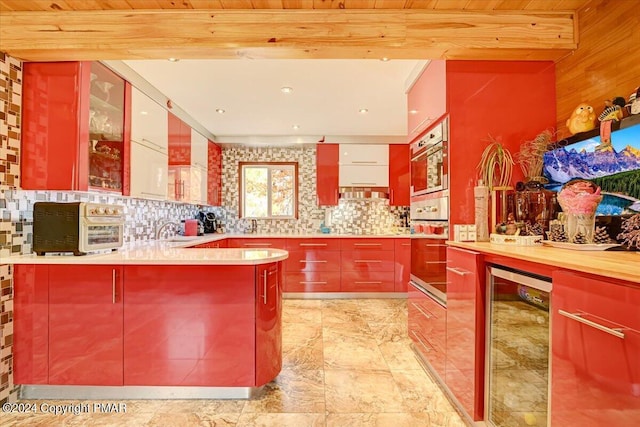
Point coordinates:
[(76, 227)]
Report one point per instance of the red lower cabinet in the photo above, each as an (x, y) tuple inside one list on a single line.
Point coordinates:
[(427, 327), (85, 325), (402, 264), (465, 330), (189, 325), (268, 322), (595, 365), (31, 324)]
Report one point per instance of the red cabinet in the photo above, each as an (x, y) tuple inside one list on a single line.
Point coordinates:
[(75, 128), (595, 366), (399, 175), (313, 265), (327, 157), (367, 265), (257, 243), (85, 325), (427, 99), (31, 324), (464, 368), (268, 322), (184, 325), (402, 258), (179, 142), (427, 328), (214, 174), (217, 244)]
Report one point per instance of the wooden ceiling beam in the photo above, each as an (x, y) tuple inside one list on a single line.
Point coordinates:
[(200, 34)]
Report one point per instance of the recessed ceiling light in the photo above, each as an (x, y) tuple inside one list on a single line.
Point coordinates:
[(384, 59), (286, 89), (296, 126), (220, 111), (144, 113), (363, 111), (174, 59), (413, 111)]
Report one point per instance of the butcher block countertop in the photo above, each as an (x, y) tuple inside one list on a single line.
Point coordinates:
[(621, 265)]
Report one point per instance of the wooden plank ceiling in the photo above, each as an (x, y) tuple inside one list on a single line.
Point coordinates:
[(49, 30)]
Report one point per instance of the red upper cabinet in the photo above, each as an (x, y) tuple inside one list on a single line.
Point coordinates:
[(327, 169), (214, 174), (75, 127), (179, 142), (595, 365), (427, 99), (399, 175)]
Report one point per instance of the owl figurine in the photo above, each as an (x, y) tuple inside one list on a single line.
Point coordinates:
[(582, 119)]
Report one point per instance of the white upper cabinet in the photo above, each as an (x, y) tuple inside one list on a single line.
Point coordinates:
[(199, 146), (149, 122), (364, 154), (148, 172)]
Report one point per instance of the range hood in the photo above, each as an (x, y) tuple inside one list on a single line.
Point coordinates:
[(364, 193)]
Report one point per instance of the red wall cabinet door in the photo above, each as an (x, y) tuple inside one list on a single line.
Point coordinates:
[(327, 156), (465, 331), (76, 128), (85, 325), (268, 322), (214, 174), (595, 365), (189, 325), (427, 99), (402, 256), (399, 175), (31, 324), (179, 142)]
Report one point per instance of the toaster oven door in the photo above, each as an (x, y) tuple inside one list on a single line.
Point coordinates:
[(96, 235)]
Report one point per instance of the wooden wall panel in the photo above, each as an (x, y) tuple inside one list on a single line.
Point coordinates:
[(606, 63)]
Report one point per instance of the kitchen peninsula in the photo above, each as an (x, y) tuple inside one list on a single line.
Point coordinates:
[(151, 321)]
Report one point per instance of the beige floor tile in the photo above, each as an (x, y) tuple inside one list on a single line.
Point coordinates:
[(351, 350), (297, 315), (362, 391), (384, 310), (281, 420), (399, 355), (425, 419), (292, 391), (390, 332), (343, 312), (303, 356), (166, 419), (202, 406), (301, 332), (420, 392)]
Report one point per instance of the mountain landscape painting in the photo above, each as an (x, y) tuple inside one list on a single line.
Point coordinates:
[(614, 166)]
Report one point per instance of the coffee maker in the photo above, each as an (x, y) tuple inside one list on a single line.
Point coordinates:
[(208, 220)]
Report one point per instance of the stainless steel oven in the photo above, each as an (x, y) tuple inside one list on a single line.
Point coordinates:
[(76, 227), (429, 161)]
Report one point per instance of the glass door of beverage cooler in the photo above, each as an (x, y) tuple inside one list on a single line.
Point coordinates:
[(517, 367)]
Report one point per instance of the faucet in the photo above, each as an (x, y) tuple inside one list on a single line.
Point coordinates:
[(163, 227), (254, 226)]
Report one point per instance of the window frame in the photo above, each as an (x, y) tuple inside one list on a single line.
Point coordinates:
[(269, 165)]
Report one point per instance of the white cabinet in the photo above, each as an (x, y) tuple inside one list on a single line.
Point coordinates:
[(199, 146), (188, 184), (149, 122), (363, 165), (198, 185), (148, 171), (364, 154)]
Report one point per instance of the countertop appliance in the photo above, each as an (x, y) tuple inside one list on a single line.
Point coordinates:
[(209, 221), (429, 161), (77, 227), (517, 352)]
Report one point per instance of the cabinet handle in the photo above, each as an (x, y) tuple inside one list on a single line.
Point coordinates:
[(360, 261), (364, 183), (364, 162), (313, 244), (431, 245), (616, 332), (113, 286), (435, 262), (420, 310), (368, 283), (154, 144), (367, 244), (152, 194), (264, 287), (257, 244), (421, 342), (457, 271), (313, 283), (405, 244), (313, 261)]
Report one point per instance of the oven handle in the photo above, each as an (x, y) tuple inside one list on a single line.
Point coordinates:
[(458, 271), (616, 332), (428, 293)]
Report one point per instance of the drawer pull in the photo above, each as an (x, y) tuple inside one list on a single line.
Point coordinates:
[(113, 286), (457, 271), (417, 307), (264, 289), (360, 261), (367, 244), (616, 332), (405, 244), (426, 347), (313, 244), (257, 244), (431, 245), (368, 283), (313, 261), (435, 262), (313, 283)]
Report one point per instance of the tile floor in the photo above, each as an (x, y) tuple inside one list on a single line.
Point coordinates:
[(347, 363)]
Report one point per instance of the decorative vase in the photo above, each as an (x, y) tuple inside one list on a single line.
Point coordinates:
[(580, 225)]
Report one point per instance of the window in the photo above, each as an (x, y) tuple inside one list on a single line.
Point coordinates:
[(268, 190)]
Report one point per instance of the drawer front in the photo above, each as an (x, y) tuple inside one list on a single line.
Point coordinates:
[(402, 244), (365, 261), (257, 243), (312, 281), (313, 243), (427, 328), (367, 244), (312, 260), (372, 281)]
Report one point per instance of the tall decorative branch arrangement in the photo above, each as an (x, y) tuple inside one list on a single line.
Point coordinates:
[(530, 156), (496, 165)]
